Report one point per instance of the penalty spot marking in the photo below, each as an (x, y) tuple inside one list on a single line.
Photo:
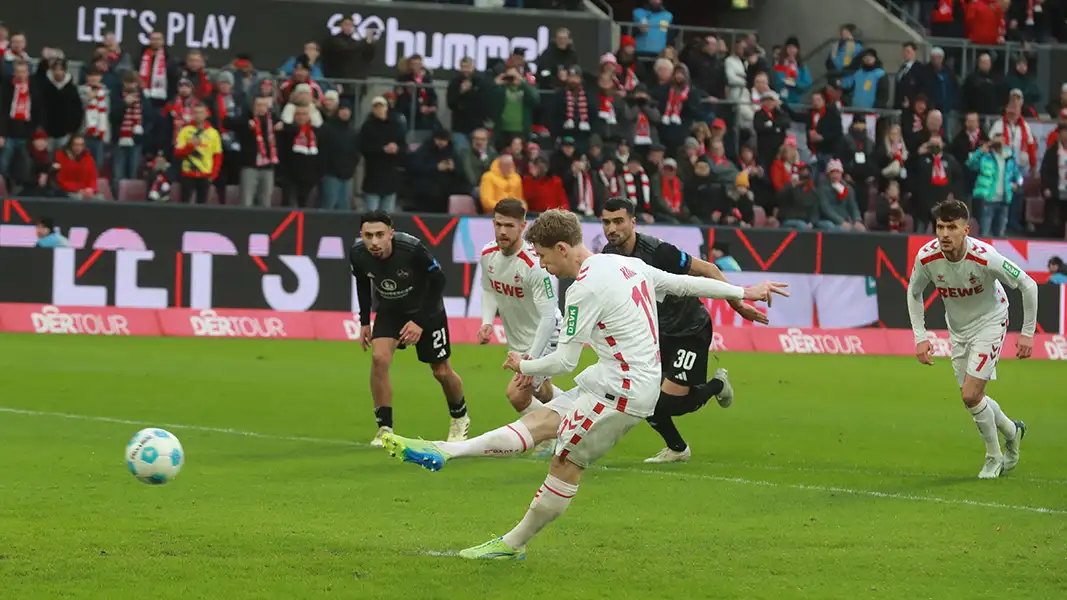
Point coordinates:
[(676, 474)]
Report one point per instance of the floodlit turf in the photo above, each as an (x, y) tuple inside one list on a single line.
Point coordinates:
[(830, 477)]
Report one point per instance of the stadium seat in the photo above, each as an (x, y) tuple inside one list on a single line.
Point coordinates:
[(461, 205), (212, 195), (1035, 210), (176, 193), (103, 186), (276, 197), (132, 190), (759, 216), (870, 220), (908, 226)]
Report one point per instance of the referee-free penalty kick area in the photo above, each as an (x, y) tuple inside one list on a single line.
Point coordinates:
[(829, 477)]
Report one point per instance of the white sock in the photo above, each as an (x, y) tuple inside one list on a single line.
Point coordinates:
[(987, 426), (1004, 424), (551, 500), (507, 440)]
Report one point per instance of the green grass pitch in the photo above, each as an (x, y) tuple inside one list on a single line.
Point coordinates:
[(830, 477)]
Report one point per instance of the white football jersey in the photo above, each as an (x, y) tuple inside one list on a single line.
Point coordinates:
[(523, 292), (971, 288), (612, 307)]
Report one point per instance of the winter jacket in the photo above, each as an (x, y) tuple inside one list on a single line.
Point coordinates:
[(550, 62), (381, 169), (495, 186), (62, 104), (982, 93), (474, 166), (944, 91), (469, 111), (411, 98), (799, 202), (992, 170), (1026, 84), (792, 83), (868, 86), (430, 186), (771, 130), (926, 195), (289, 66), (911, 82), (628, 122), (736, 79), (835, 209), (497, 98), (985, 22), (1050, 173), (346, 58), (117, 114), (857, 156), (844, 56), (659, 32), (296, 166), (543, 193), (76, 173), (340, 147), (828, 126), (673, 135)]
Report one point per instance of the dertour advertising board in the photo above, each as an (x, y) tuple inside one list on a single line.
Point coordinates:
[(273, 30)]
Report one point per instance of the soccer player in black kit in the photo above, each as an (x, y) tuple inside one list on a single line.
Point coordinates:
[(409, 285), (685, 329)]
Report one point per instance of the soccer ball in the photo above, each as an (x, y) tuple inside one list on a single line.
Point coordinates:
[(154, 456)]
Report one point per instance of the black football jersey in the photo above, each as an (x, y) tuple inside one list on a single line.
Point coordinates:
[(401, 281), (678, 316)]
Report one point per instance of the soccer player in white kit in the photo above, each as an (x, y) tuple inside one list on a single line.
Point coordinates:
[(969, 276), (520, 290), (611, 306)]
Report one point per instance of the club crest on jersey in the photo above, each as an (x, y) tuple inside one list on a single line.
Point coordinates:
[(402, 273), (389, 285), (941, 278), (572, 320), (490, 268), (973, 279), (517, 278)]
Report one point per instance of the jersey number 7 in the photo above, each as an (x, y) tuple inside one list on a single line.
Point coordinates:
[(642, 299)]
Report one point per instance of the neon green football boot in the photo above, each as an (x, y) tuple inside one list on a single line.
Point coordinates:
[(419, 452), (494, 550)]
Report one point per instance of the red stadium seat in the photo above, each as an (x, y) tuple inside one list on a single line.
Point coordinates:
[(103, 186), (132, 190), (1035, 210), (233, 195), (870, 220), (461, 205), (759, 216)]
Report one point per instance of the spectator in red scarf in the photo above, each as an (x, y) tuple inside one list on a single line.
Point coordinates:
[(226, 113), (176, 115), (117, 59), (131, 118), (629, 71), (613, 112), (259, 154), (194, 72), (680, 104), (822, 127), (158, 71), (20, 114), (301, 160), (934, 177), (786, 167), (301, 76), (606, 181), (838, 200), (1054, 135), (76, 175), (1017, 133), (96, 102), (542, 190), (673, 193), (575, 110), (772, 126), (41, 177), (985, 22), (15, 52), (417, 99)]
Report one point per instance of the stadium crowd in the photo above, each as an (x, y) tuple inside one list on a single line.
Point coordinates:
[(712, 133)]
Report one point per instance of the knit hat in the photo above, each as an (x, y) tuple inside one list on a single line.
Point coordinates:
[(835, 165), (792, 41), (691, 142), (302, 88), (224, 77), (718, 124), (742, 180), (379, 100), (627, 41), (670, 163), (608, 59), (185, 81), (332, 95), (937, 51)]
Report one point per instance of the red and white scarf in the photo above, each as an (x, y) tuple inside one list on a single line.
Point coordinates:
[(1031, 8), (627, 76), (672, 115), (265, 155), (896, 149), (840, 189), (584, 184), (944, 12), (160, 187), (153, 73), (975, 137), (607, 109), (719, 161), (672, 193), (423, 95), (938, 175), (20, 101), (304, 141), (181, 111), (1025, 137), (630, 181), (96, 119), (222, 103), (610, 183), (643, 131), (131, 122), (918, 122), (577, 101)]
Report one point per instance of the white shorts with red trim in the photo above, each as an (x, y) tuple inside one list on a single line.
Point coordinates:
[(589, 428), (977, 355)]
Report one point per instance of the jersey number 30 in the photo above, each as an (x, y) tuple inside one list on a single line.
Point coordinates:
[(642, 299)]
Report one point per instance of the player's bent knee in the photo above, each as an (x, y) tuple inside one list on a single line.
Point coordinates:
[(542, 423), (972, 391), (563, 469), (381, 358), (442, 371)]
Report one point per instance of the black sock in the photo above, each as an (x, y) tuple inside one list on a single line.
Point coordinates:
[(458, 411), (664, 426), (705, 391), (384, 416)]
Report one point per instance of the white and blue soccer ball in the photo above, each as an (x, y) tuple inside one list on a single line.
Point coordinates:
[(154, 456)]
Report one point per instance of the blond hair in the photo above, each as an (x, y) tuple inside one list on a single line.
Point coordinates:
[(555, 226)]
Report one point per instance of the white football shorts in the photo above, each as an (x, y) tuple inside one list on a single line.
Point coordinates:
[(589, 428)]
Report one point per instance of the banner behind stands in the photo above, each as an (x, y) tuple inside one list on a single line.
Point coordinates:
[(271, 31), (211, 257)]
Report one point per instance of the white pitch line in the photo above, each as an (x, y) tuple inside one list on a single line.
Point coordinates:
[(675, 474)]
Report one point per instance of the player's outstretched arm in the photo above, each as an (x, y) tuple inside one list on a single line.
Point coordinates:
[(703, 268), (564, 360), (685, 285)]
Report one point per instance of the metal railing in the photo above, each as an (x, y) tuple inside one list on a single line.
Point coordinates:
[(679, 35)]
